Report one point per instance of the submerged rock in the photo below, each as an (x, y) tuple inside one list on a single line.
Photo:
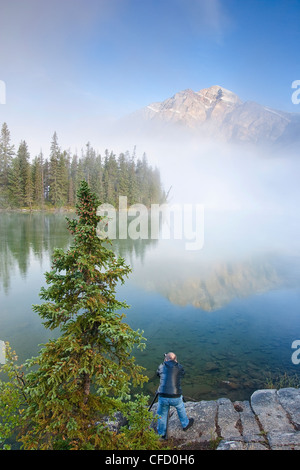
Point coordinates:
[(211, 366)]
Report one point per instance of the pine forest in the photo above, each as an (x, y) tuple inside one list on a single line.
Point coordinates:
[(52, 182)]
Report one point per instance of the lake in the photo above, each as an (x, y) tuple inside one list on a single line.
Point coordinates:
[(230, 310)]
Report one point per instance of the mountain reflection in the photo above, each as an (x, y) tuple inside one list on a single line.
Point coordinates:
[(217, 285), (158, 266)]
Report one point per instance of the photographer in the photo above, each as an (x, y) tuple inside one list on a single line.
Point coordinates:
[(170, 394)]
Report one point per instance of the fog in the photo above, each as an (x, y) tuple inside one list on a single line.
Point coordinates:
[(250, 196), (250, 193)]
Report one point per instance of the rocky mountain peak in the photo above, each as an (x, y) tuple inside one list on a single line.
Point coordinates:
[(191, 108), (219, 113), (216, 93)]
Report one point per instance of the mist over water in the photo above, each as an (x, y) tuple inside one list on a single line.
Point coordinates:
[(250, 192), (233, 304)]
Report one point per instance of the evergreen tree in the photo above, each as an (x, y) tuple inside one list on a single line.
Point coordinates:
[(97, 178), (133, 193), (110, 175), (86, 373), (88, 162), (54, 171), (28, 187), (15, 186), (46, 173), (38, 180), (62, 178), (79, 176), (123, 175), (6, 160), (73, 177), (20, 181)]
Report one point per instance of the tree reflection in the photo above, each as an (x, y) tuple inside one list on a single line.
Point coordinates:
[(28, 236)]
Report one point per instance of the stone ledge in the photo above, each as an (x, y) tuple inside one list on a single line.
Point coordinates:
[(270, 420)]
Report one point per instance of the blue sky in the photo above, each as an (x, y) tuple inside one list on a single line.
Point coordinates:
[(71, 65)]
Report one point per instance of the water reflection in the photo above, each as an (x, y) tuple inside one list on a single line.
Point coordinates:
[(207, 279), (230, 313), (23, 236), (212, 288)]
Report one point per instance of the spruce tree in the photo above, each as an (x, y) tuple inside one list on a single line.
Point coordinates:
[(38, 180), (28, 187), (86, 372), (133, 194), (123, 177), (15, 184), (62, 178), (6, 159), (54, 170), (20, 181)]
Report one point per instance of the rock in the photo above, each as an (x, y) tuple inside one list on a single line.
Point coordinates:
[(211, 366), (269, 411), (230, 385), (289, 398), (204, 414), (228, 419), (115, 422), (240, 445), (284, 440), (270, 420), (248, 423), (204, 427)]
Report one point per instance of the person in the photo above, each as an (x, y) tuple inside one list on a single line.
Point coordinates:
[(170, 394)]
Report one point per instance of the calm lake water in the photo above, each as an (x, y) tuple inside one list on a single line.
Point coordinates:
[(230, 311)]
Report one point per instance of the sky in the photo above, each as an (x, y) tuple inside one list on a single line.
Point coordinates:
[(72, 66)]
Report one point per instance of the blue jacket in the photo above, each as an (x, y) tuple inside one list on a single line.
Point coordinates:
[(170, 373)]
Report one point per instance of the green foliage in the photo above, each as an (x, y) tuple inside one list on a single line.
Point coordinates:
[(6, 158), (139, 433), (87, 373), (12, 399)]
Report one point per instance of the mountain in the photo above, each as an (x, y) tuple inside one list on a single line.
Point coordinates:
[(219, 113)]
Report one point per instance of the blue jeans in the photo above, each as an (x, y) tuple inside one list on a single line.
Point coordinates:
[(164, 404)]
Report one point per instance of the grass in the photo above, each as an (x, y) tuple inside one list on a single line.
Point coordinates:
[(283, 381)]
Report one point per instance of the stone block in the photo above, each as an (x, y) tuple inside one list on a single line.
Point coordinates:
[(269, 411)]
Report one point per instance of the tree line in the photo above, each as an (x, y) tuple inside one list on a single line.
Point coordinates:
[(53, 182)]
